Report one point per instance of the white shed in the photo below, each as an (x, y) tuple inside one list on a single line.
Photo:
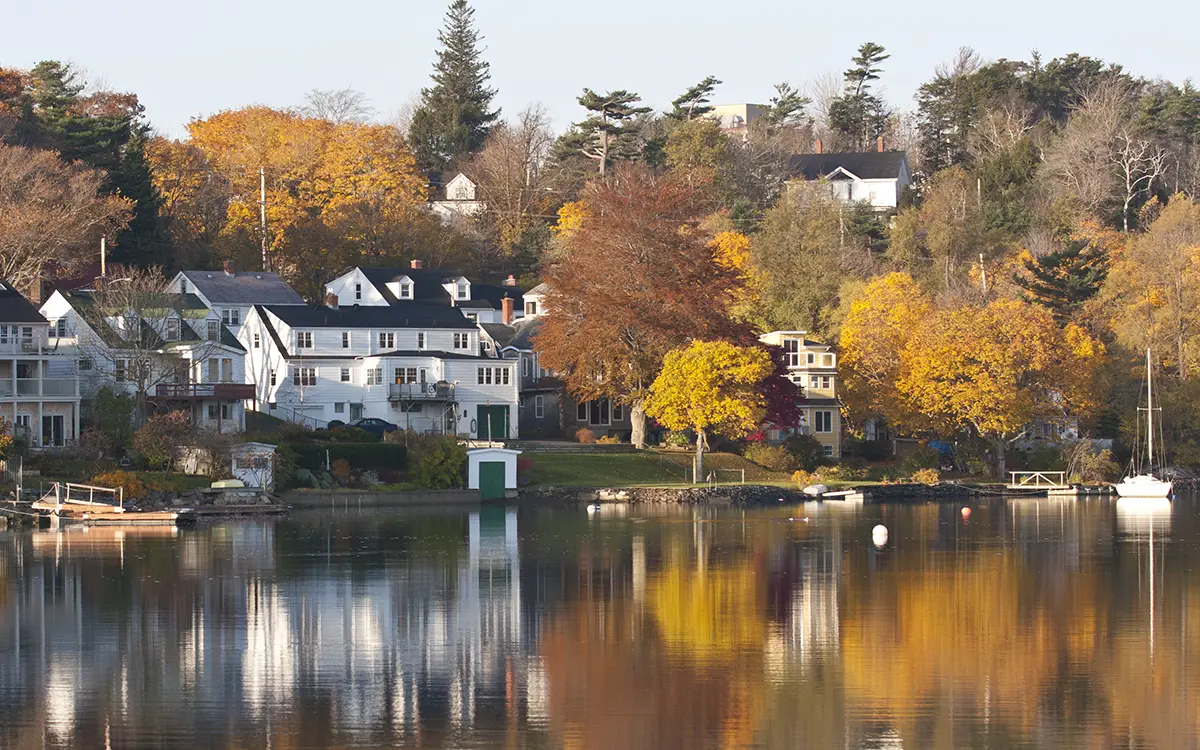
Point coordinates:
[(492, 471), (254, 464)]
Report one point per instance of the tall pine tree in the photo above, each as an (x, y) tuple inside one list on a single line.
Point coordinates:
[(455, 114), (858, 114), (1063, 280)]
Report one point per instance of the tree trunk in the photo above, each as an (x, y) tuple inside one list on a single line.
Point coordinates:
[(637, 418), (698, 463), (1000, 462)]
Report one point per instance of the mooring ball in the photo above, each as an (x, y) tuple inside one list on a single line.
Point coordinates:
[(879, 535), (966, 512)]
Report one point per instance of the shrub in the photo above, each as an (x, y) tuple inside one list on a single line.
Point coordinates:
[(1097, 468), (609, 440), (868, 450), (758, 436), (159, 438), (676, 440), (773, 457), (848, 473), (524, 465), (112, 414), (804, 478), (923, 457), (584, 435), (131, 482), (341, 470), (807, 452), (312, 456), (437, 462), (927, 476), (369, 479)]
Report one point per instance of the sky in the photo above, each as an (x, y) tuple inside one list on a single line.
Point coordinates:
[(187, 60)]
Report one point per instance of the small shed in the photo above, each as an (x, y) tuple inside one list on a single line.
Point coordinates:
[(254, 464), (492, 471)]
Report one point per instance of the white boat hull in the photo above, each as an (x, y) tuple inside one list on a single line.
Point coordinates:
[(1143, 485)]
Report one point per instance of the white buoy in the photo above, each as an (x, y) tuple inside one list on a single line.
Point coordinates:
[(879, 535)]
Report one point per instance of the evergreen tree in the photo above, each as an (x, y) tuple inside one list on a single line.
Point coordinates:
[(455, 115), (694, 102), (859, 115), (609, 134), (1063, 280), (786, 107)]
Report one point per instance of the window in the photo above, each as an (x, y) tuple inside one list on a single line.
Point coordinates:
[(345, 375), (231, 316), (226, 411), (387, 340), (304, 340), (375, 376), (814, 381), (272, 377), (304, 376), (581, 411), (421, 340), (827, 360), (539, 407), (824, 421), (214, 330), (59, 328), (826, 382), (792, 347), (462, 341), (406, 291), (411, 408), (493, 376), (811, 358), (526, 365), (462, 289), (212, 412), (473, 317), (214, 371), (357, 292), (485, 346), (828, 449), (618, 412), (339, 407), (531, 308), (345, 339), (599, 412), (405, 375), (227, 371), (257, 341), (85, 364)]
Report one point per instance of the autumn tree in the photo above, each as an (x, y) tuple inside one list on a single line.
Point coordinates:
[(455, 115), (51, 213), (511, 178), (710, 387), (633, 281), (947, 231), (702, 154)]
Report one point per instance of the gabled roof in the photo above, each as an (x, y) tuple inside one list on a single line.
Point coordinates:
[(14, 308), (499, 332), (540, 289), (243, 288), (83, 302), (428, 287), (398, 315), (492, 294), (520, 334), (866, 165)]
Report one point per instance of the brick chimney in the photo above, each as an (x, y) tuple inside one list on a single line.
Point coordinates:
[(510, 281), (817, 147), (331, 301), (415, 264), (879, 144), (228, 267), (506, 311)]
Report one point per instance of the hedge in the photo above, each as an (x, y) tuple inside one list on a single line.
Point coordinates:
[(312, 456)]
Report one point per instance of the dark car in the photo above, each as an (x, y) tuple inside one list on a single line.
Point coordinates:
[(374, 425)]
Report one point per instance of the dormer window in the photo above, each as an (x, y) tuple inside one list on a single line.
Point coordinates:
[(231, 316), (60, 328), (462, 289), (214, 330), (405, 291), (172, 329), (531, 308)]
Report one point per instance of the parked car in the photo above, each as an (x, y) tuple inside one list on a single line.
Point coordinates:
[(374, 425)]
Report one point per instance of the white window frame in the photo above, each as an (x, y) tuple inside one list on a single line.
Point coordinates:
[(462, 340), (387, 340), (304, 339), (823, 419), (420, 339), (345, 375), (257, 341), (339, 407), (357, 292), (231, 316), (345, 339), (304, 377), (539, 406), (406, 290)]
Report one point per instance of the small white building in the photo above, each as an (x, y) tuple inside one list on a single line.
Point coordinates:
[(254, 464), (416, 366), (459, 199), (492, 471), (877, 178)]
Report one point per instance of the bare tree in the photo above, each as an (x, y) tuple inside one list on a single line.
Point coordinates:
[(822, 91), (50, 212), (338, 106), (1001, 127), (509, 172), (1139, 162)]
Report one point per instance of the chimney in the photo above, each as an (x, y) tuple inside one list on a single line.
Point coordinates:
[(228, 267), (879, 144), (506, 311), (510, 281), (817, 147), (331, 301), (415, 264)]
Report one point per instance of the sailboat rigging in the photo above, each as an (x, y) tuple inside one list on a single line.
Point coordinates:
[(1141, 481)]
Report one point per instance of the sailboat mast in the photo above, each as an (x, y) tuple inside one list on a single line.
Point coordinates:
[(1149, 413)]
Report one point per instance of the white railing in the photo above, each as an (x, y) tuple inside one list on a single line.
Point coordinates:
[(1037, 480)]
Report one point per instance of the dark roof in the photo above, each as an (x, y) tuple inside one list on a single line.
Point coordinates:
[(14, 308), (866, 165), (499, 332), (519, 335), (83, 302), (428, 289), (398, 315), (243, 288), (425, 353)]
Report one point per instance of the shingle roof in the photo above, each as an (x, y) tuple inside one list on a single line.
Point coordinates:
[(867, 165), (542, 288), (243, 288), (14, 308), (499, 332), (398, 315), (428, 289), (492, 294), (521, 334)]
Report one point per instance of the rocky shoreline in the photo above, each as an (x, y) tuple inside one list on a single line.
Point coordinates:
[(741, 495)]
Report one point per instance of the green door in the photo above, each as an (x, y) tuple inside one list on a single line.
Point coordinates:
[(491, 480), (493, 423)]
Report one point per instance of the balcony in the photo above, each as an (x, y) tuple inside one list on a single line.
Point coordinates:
[(29, 387), (220, 391), (441, 391)]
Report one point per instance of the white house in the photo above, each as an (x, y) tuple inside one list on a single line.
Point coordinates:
[(813, 366), (175, 351), (231, 294), (39, 383), (379, 286), (874, 177), (417, 366), (459, 199)]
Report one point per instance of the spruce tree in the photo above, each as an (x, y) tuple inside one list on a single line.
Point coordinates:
[(859, 115), (1063, 280), (455, 115)]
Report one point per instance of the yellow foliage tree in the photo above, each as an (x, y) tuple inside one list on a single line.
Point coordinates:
[(732, 251), (570, 218), (710, 386)]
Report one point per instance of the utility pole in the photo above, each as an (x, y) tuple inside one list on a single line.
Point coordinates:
[(262, 213), (983, 274), (103, 258)]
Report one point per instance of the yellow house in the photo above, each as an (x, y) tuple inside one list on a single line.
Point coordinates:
[(812, 366)]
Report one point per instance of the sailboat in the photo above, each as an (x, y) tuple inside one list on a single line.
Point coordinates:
[(1145, 484)]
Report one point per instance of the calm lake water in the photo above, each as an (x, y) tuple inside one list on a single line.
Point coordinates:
[(1046, 624)]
